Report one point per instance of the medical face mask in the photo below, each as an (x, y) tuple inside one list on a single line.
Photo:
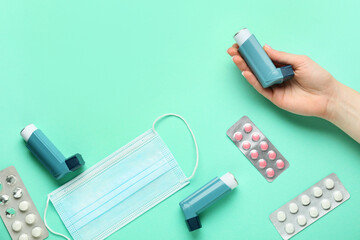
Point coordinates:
[(121, 187)]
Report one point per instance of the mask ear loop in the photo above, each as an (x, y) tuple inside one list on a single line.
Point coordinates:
[(192, 134), (56, 233)]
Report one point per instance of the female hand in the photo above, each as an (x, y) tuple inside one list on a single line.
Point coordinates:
[(308, 93), (313, 91)]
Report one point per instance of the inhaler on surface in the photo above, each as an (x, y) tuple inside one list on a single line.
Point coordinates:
[(259, 62), (46, 152), (204, 197)]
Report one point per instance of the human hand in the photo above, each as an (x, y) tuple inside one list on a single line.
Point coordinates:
[(308, 93)]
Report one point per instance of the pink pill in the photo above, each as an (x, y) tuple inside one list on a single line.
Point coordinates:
[(247, 128), (280, 164), (264, 146), (254, 154), (272, 155), (255, 137), (270, 172), (246, 145), (262, 163), (238, 136)]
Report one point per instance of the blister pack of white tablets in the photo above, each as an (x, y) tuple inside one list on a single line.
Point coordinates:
[(309, 206), (17, 209), (257, 148)]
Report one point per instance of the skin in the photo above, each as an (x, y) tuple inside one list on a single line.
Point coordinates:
[(313, 91)]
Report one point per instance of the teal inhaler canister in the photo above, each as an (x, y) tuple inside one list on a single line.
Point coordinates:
[(46, 152), (259, 62), (204, 197)]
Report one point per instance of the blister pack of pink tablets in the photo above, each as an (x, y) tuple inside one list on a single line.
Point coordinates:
[(257, 148), (309, 206)]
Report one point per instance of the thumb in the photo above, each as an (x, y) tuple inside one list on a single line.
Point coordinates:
[(282, 57)]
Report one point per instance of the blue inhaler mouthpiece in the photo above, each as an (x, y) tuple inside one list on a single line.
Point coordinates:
[(45, 151), (204, 197), (259, 62)]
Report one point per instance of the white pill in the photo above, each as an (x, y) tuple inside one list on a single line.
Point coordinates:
[(24, 206), (24, 237), (325, 204), (30, 218), (317, 192), (329, 183), (16, 226), (301, 220), (338, 196), (305, 200), (281, 216), (36, 232), (293, 208), (289, 228), (314, 213)]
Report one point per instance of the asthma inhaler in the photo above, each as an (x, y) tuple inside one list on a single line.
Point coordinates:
[(259, 62), (204, 197), (45, 151)]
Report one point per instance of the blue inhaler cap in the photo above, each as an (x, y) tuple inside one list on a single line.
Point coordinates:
[(287, 72), (46, 152)]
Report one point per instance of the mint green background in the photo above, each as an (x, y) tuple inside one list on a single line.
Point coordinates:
[(93, 75)]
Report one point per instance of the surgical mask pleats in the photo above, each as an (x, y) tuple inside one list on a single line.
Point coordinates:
[(118, 189)]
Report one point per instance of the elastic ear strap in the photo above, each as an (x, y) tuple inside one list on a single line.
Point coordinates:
[(46, 208), (192, 134)]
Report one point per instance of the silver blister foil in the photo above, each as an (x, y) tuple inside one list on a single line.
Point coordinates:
[(17, 209), (269, 162), (312, 204)]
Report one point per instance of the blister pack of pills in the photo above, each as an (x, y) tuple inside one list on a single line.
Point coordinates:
[(17, 209), (257, 148), (309, 206)]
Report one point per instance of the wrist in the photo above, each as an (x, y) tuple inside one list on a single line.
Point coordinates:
[(334, 99)]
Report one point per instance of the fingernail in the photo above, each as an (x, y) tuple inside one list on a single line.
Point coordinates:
[(267, 46), (242, 74)]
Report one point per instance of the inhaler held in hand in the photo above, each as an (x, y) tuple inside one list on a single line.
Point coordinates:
[(259, 62)]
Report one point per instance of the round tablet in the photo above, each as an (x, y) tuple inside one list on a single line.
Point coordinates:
[(262, 163), (36, 232), (10, 212), (30, 218), (305, 200), (281, 216), (264, 146), (271, 155), (270, 172), (338, 196), (254, 154), (16, 226), (329, 183), (247, 127), (317, 192), (4, 199), (293, 208), (255, 137), (24, 237), (314, 212), (246, 145), (238, 136), (280, 164), (11, 179), (301, 220), (289, 228), (17, 193), (325, 204), (24, 206)]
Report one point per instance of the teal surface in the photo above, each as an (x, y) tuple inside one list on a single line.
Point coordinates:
[(93, 75)]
